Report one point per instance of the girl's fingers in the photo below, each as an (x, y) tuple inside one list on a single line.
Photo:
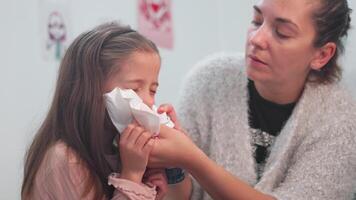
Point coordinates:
[(142, 140), (151, 171), (127, 132), (159, 180), (135, 122), (161, 187), (155, 177), (136, 133), (149, 145)]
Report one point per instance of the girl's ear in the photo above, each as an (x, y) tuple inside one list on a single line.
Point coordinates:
[(323, 55)]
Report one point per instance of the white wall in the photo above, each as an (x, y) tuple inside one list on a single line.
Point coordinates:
[(26, 81), (349, 60)]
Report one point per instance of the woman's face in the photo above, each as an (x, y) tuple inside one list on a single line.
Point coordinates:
[(139, 73), (279, 46)]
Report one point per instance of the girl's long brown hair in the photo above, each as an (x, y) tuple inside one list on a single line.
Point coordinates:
[(77, 115)]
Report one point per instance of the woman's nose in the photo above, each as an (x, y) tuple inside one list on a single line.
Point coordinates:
[(258, 37)]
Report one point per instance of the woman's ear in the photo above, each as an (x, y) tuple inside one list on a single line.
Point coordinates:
[(323, 55)]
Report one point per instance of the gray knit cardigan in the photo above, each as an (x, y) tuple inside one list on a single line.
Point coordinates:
[(314, 157)]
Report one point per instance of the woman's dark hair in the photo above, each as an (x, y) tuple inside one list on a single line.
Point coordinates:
[(77, 115), (332, 22)]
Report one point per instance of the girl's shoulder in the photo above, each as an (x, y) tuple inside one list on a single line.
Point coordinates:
[(61, 175), (60, 153), (61, 160)]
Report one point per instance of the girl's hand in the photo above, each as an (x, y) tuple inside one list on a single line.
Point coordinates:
[(157, 177), (135, 145), (169, 110)]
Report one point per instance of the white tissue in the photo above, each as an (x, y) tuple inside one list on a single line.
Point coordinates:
[(125, 105)]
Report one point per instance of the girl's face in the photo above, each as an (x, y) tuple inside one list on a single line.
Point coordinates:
[(139, 73), (279, 46)]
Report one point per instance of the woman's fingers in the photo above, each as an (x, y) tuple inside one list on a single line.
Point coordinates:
[(172, 148), (165, 132), (170, 111), (165, 108)]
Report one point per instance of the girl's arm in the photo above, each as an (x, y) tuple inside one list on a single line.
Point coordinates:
[(135, 145)]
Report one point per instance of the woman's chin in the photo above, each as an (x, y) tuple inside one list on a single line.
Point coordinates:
[(257, 75)]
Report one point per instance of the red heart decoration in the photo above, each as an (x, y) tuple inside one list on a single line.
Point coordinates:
[(155, 7)]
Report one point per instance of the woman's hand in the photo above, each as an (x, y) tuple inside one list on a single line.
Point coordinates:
[(157, 177), (169, 110), (173, 148), (135, 145)]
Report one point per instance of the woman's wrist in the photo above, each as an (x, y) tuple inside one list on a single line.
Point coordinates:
[(194, 160)]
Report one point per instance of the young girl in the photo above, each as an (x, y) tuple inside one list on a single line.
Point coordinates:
[(72, 155)]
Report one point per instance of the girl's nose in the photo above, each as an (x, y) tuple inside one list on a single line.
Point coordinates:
[(148, 99)]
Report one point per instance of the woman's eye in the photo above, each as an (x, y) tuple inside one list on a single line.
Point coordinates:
[(282, 36)]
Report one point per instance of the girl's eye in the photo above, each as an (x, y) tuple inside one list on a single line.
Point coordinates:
[(135, 89), (153, 92), (256, 23)]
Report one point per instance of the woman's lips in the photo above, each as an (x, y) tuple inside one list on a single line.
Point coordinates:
[(255, 61)]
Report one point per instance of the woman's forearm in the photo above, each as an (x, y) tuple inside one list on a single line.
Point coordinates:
[(219, 183)]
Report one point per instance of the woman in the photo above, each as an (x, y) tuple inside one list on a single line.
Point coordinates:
[(278, 123)]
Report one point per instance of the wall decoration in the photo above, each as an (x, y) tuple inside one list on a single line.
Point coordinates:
[(54, 22), (155, 21)]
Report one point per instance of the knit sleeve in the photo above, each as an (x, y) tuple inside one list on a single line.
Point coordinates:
[(194, 100), (324, 169), (198, 97), (188, 109)]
